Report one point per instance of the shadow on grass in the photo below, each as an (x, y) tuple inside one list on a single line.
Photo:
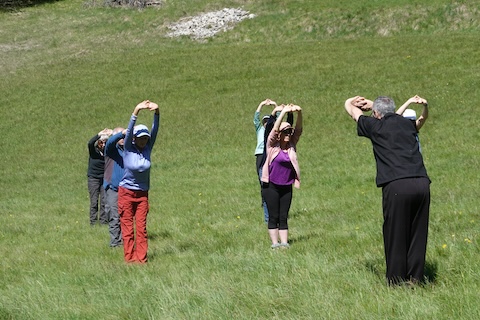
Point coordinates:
[(170, 250), (159, 235), (431, 271), (167, 248), (376, 267), (12, 5), (304, 237)]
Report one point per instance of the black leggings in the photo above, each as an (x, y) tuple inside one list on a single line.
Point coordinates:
[(278, 199), (259, 165)]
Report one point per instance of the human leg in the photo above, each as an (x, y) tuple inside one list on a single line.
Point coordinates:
[(283, 234), (395, 231), (265, 211), (106, 202), (419, 230), (285, 203), (273, 234), (94, 193), (114, 221), (271, 197), (126, 210), (141, 247), (103, 216), (259, 173)]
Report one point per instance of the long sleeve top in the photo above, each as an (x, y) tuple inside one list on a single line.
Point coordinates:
[(273, 149), (114, 162), (137, 162), (260, 131), (268, 128), (96, 160)]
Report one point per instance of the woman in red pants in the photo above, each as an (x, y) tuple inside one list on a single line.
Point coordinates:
[(133, 189)]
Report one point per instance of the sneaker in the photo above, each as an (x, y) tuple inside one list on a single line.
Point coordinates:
[(275, 246), (284, 245)]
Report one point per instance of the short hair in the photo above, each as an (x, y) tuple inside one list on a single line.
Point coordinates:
[(117, 130), (103, 137), (383, 105)]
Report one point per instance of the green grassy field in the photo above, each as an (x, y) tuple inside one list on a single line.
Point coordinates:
[(71, 68)]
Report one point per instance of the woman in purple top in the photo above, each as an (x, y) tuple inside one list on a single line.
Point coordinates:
[(279, 173), (133, 203)]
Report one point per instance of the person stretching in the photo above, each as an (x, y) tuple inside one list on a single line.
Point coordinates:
[(133, 203), (279, 173)]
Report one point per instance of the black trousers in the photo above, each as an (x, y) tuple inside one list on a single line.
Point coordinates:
[(406, 207), (278, 199)]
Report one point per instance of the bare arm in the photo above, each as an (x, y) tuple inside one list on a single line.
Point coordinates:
[(265, 103), (418, 100), (415, 99), (423, 117), (105, 132), (256, 117), (354, 106)]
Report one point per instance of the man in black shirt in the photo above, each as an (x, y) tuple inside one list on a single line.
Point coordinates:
[(405, 185), (95, 173)]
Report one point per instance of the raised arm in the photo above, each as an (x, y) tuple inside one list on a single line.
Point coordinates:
[(290, 118), (111, 146), (256, 116), (156, 122), (423, 117), (355, 105), (271, 121), (417, 100), (129, 131), (266, 102), (102, 134), (141, 106), (279, 120), (299, 123), (91, 144)]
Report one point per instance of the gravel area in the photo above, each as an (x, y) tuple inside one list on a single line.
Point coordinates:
[(208, 24)]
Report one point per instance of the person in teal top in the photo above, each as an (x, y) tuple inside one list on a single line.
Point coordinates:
[(260, 147)]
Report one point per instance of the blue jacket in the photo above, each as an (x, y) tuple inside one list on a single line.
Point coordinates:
[(137, 162), (114, 158)]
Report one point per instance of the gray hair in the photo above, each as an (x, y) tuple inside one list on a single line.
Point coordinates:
[(103, 137), (383, 105)]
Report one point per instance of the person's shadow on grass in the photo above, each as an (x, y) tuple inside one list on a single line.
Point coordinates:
[(431, 269)]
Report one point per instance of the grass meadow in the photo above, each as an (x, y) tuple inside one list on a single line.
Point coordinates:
[(71, 68)]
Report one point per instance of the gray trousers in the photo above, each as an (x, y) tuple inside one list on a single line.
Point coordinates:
[(97, 194), (111, 202)]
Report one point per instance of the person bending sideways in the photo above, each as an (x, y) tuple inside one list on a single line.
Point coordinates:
[(405, 185), (412, 115), (113, 175), (269, 121), (279, 173), (133, 203), (95, 173), (260, 146)]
